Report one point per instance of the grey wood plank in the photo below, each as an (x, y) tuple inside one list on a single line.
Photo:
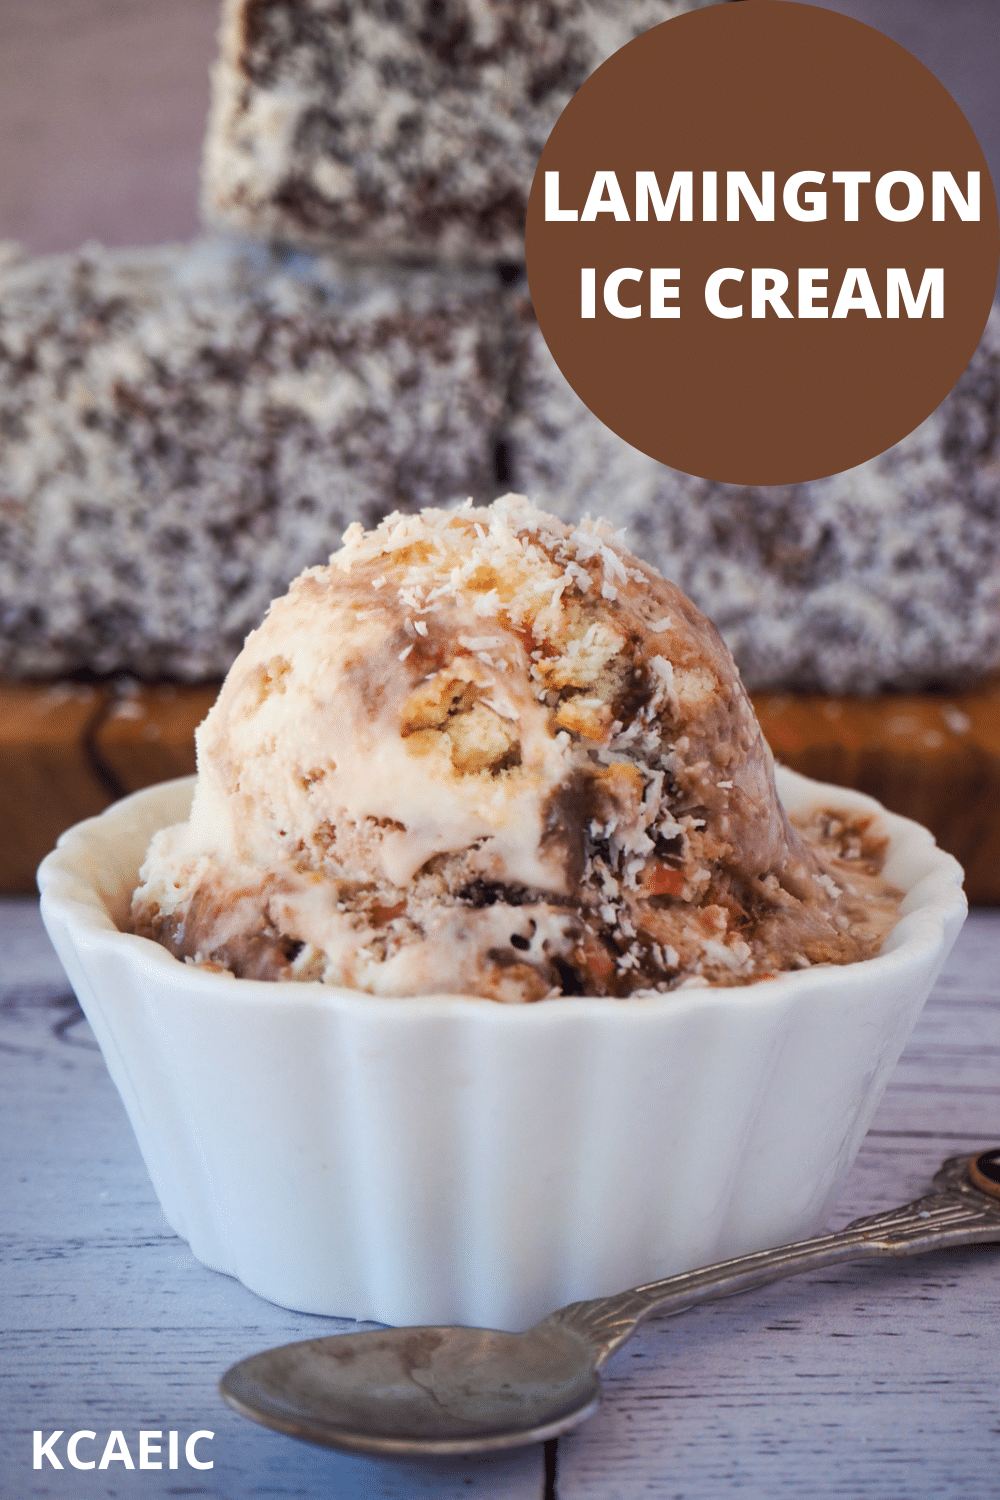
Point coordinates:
[(109, 1321), (865, 1383), (874, 1382)]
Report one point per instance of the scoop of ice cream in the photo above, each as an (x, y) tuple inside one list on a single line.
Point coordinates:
[(483, 752)]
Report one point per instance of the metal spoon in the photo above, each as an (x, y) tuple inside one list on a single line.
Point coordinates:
[(434, 1391)]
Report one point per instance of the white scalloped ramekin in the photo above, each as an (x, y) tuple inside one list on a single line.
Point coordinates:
[(441, 1160)]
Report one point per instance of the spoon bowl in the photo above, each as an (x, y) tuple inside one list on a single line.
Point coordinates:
[(437, 1390), (451, 1390)]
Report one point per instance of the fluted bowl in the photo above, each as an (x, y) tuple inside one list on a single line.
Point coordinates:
[(450, 1159)]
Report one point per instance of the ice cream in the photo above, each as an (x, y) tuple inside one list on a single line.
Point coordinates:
[(486, 753)]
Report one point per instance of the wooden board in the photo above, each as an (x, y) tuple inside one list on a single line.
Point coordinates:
[(50, 777), (149, 736), (932, 757), (66, 751)]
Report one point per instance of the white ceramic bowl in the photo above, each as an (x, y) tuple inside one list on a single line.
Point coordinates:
[(440, 1160)]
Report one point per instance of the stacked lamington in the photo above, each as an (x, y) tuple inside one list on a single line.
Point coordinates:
[(407, 129), (185, 429), (884, 577)]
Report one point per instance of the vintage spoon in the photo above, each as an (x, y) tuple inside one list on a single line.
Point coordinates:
[(433, 1391)]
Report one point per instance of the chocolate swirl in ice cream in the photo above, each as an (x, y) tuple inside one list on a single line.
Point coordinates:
[(486, 753)]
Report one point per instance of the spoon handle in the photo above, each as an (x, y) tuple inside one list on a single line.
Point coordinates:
[(958, 1213)]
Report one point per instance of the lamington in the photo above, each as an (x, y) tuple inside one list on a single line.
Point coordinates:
[(402, 128), (185, 429), (886, 576)]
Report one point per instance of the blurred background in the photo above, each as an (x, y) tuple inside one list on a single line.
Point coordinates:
[(103, 105)]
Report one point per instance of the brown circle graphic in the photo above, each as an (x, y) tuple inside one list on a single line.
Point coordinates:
[(762, 242)]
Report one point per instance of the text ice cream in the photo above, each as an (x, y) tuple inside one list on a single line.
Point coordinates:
[(486, 753)]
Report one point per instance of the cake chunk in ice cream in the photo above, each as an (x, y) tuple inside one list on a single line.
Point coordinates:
[(483, 752)]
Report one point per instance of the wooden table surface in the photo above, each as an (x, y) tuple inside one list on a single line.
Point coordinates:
[(877, 1382)]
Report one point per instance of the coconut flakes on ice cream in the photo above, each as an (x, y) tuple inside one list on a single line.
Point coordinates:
[(486, 753)]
